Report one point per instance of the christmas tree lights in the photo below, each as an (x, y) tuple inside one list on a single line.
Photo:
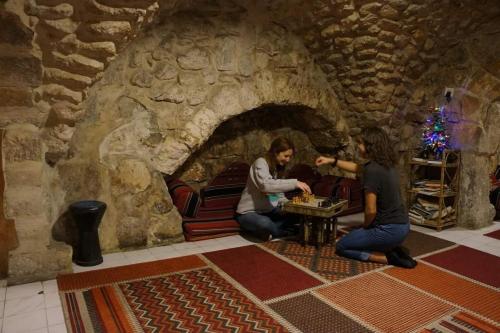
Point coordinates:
[(434, 137)]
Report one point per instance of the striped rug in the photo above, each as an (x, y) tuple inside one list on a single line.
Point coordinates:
[(276, 287)]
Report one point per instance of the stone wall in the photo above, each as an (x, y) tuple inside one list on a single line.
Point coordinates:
[(163, 97), (374, 52)]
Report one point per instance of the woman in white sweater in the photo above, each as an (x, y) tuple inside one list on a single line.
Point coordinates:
[(259, 207)]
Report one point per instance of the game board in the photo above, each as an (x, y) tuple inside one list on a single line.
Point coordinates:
[(310, 205)]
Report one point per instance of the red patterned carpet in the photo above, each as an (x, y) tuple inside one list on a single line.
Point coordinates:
[(469, 262), (280, 287), (494, 234)]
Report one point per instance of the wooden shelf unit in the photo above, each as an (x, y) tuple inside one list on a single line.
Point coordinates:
[(446, 172)]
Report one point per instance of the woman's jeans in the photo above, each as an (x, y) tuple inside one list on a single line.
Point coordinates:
[(359, 243), (274, 222)]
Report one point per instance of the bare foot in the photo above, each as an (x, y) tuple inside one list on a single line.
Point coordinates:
[(378, 257)]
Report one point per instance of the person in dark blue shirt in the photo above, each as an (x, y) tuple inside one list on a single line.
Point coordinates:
[(386, 222)]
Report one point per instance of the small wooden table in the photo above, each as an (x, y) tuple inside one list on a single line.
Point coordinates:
[(321, 220)]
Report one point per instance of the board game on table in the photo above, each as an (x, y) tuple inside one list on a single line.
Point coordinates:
[(318, 215)]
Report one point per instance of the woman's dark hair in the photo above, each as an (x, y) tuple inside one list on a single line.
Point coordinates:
[(280, 144), (379, 147)]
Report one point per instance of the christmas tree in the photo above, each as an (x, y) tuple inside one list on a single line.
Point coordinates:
[(434, 137)]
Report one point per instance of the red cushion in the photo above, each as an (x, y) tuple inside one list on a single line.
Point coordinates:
[(225, 189), (210, 223), (184, 197)]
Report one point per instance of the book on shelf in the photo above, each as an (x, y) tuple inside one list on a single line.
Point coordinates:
[(421, 160), (428, 204), (421, 213)]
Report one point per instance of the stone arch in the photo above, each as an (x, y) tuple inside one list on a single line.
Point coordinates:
[(162, 99)]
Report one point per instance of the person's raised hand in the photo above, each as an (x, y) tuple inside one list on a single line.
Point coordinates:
[(324, 160), (304, 187)]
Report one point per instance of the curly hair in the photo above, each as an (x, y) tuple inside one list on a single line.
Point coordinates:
[(379, 147)]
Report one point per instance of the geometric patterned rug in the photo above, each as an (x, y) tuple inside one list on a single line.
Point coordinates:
[(276, 287), (469, 262)]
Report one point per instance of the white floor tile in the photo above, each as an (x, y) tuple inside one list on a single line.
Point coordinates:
[(188, 252), (164, 252), (211, 248), (50, 286), (139, 256), (207, 242), (25, 322), (23, 305), (488, 249), (52, 300), (184, 246), (61, 328), (117, 256), (3, 291), (492, 241), (40, 330), (2, 306), (55, 316), (24, 290), (116, 263), (79, 269), (1, 325)]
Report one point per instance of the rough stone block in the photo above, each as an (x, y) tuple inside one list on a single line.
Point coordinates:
[(134, 175), (24, 201), (67, 79), (13, 31), (142, 79), (22, 142), (194, 59), (65, 112), (75, 63), (173, 94), (60, 11), (13, 96), (226, 54), (20, 70), (388, 12), (94, 50), (165, 71), (60, 27), (43, 264), (55, 92), (33, 232), (21, 115), (115, 31), (23, 173)]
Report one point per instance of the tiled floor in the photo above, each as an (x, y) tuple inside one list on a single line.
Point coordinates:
[(36, 307)]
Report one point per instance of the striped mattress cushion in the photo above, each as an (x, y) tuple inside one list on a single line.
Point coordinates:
[(184, 198)]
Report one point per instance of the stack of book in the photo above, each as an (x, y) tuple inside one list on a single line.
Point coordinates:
[(423, 210), (429, 187)]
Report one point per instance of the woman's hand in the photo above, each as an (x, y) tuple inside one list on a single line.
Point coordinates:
[(324, 160), (304, 187)]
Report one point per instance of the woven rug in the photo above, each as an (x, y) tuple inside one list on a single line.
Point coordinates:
[(494, 234), (275, 287), (469, 262)]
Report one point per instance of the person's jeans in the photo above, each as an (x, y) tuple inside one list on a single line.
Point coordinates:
[(277, 224), (359, 243)]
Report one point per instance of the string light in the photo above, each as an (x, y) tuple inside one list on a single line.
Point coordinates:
[(434, 137)]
